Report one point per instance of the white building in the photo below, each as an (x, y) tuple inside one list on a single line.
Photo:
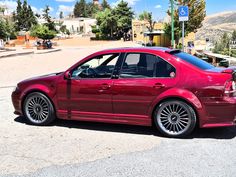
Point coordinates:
[(74, 25), (79, 25)]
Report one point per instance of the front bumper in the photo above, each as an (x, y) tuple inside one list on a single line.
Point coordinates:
[(16, 101)]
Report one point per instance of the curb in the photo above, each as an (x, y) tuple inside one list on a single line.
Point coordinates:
[(16, 54), (27, 53), (48, 51)]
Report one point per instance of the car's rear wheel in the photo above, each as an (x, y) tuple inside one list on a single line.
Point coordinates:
[(38, 109), (175, 118)]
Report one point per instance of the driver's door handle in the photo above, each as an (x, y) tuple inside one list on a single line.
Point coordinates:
[(105, 86)]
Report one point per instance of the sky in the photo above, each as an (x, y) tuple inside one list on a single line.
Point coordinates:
[(157, 7)]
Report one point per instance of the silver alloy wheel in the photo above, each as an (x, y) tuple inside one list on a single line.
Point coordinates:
[(37, 109), (174, 118)]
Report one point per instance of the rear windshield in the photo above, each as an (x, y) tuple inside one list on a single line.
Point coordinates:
[(194, 60)]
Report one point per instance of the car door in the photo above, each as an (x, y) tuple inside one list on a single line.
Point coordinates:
[(142, 78), (88, 94)]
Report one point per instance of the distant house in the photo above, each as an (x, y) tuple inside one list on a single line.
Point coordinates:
[(79, 25), (141, 34), (4, 12)]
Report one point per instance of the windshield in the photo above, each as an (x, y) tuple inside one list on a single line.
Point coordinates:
[(194, 60)]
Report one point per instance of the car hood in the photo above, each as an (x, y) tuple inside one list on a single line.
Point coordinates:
[(51, 76)]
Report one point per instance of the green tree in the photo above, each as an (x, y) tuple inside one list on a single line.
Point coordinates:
[(42, 32), (61, 15), (107, 23), (31, 18), (147, 16), (63, 29), (11, 32), (7, 29), (222, 46), (49, 22), (2, 10), (124, 15), (233, 37), (197, 13), (3, 31), (105, 5), (113, 23), (91, 9), (80, 9), (24, 17), (144, 15)]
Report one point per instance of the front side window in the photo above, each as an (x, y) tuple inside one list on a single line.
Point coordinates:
[(141, 65), (98, 67)]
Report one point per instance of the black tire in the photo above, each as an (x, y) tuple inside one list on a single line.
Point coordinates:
[(38, 109), (175, 118)]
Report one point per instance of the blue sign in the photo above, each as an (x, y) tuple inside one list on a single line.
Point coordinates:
[(183, 13)]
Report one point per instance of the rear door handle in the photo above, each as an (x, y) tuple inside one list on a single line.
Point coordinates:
[(159, 85)]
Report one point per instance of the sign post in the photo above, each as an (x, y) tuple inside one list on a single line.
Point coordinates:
[(183, 16), (172, 24)]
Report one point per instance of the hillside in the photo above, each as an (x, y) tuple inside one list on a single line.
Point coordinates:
[(215, 25)]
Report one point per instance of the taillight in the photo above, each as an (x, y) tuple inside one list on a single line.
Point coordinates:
[(230, 87)]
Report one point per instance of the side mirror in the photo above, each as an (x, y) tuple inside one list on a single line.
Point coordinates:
[(67, 75)]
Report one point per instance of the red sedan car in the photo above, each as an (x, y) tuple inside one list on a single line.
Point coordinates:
[(140, 86)]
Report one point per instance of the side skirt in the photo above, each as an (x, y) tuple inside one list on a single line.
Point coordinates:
[(106, 118)]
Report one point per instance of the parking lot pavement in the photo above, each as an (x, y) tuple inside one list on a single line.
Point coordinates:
[(25, 148), (69, 148), (184, 158)]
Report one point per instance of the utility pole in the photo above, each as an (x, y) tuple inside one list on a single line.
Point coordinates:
[(183, 36), (172, 24)]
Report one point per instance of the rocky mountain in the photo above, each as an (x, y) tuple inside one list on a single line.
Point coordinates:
[(215, 25)]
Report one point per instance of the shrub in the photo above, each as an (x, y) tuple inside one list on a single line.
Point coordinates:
[(42, 32)]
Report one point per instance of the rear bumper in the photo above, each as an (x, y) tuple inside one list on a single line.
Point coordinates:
[(219, 112)]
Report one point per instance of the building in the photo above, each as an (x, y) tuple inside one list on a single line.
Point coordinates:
[(4, 12), (142, 35), (78, 25)]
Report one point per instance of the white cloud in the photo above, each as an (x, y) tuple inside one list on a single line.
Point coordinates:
[(130, 2), (51, 9), (65, 9), (158, 6), (9, 4), (40, 10), (34, 9), (65, 0)]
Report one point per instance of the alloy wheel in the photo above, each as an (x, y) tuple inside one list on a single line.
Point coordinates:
[(37, 109), (174, 118)]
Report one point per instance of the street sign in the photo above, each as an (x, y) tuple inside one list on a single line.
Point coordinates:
[(183, 16), (183, 13)]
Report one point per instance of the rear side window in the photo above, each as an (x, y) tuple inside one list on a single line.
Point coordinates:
[(194, 60), (141, 65)]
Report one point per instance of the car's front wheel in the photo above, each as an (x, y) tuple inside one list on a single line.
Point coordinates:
[(175, 118), (38, 109)]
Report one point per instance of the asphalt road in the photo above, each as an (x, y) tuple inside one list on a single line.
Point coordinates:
[(83, 149)]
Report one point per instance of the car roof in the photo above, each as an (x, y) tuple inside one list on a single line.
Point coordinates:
[(143, 49)]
